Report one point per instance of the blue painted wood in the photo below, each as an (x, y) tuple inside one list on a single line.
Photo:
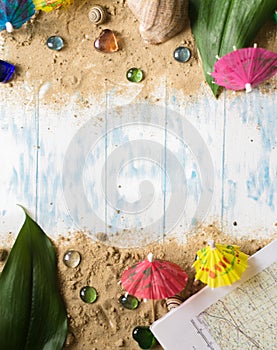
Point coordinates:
[(139, 172), (250, 164), (18, 153)]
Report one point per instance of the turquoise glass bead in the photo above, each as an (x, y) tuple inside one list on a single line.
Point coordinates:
[(55, 43), (182, 54)]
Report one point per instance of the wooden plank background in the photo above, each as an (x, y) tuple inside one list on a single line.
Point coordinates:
[(130, 172)]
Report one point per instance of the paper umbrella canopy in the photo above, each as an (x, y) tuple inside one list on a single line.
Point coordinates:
[(49, 5), (245, 68), (154, 279), (14, 13), (220, 265)]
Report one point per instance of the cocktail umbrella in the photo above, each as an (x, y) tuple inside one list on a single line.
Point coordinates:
[(14, 13), (220, 265), (49, 5), (245, 68), (154, 279)]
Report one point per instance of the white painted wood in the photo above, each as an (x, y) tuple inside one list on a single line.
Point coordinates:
[(250, 165), (18, 155), (86, 168)]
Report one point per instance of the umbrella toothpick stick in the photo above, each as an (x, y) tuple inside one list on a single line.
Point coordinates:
[(9, 27), (150, 259), (153, 310)]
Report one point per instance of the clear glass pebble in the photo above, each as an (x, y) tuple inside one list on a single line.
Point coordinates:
[(182, 54), (129, 301), (72, 258), (88, 294), (135, 75), (55, 43)]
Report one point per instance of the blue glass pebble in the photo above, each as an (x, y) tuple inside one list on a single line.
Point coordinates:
[(182, 54), (6, 71), (55, 43)]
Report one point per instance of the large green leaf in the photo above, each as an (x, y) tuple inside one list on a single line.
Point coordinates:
[(218, 25), (32, 313)]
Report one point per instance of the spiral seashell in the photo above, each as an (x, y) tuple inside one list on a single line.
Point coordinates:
[(159, 20), (97, 14), (173, 302)]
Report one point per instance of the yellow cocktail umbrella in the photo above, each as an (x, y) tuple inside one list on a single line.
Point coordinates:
[(220, 265), (49, 5)]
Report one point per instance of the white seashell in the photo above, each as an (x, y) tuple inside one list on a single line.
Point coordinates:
[(173, 302), (97, 14), (159, 20)]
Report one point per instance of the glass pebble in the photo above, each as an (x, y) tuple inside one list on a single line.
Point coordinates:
[(135, 75), (182, 54), (55, 43), (106, 42), (72, 258), (88, 294), (129, 301), (275, 16), (144, 337), (6, 71)]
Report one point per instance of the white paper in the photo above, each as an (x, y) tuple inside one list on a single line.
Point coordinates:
[(240, 316)]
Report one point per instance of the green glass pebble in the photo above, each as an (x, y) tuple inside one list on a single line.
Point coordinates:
[(135, 75), (55, 43), (72, 258), (129, 301), (275, 16), (88, 294), (181, 54), (144, 337)]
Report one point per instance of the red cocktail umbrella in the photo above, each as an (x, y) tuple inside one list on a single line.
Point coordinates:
[(245, 68), (154, 279)]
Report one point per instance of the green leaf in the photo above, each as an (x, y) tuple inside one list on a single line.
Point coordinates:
[(32, 313), (218, 25)]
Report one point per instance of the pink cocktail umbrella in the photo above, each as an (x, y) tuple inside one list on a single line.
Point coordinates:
[(245, 68), (154, 279)]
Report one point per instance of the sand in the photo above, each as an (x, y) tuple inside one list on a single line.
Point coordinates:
[(79, 67), (106, 325)]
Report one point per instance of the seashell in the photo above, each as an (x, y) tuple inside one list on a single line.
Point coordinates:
[(173, 302), (159, 20), (97, 14)]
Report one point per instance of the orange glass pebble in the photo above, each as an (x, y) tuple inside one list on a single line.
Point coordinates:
[(106, 42)]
